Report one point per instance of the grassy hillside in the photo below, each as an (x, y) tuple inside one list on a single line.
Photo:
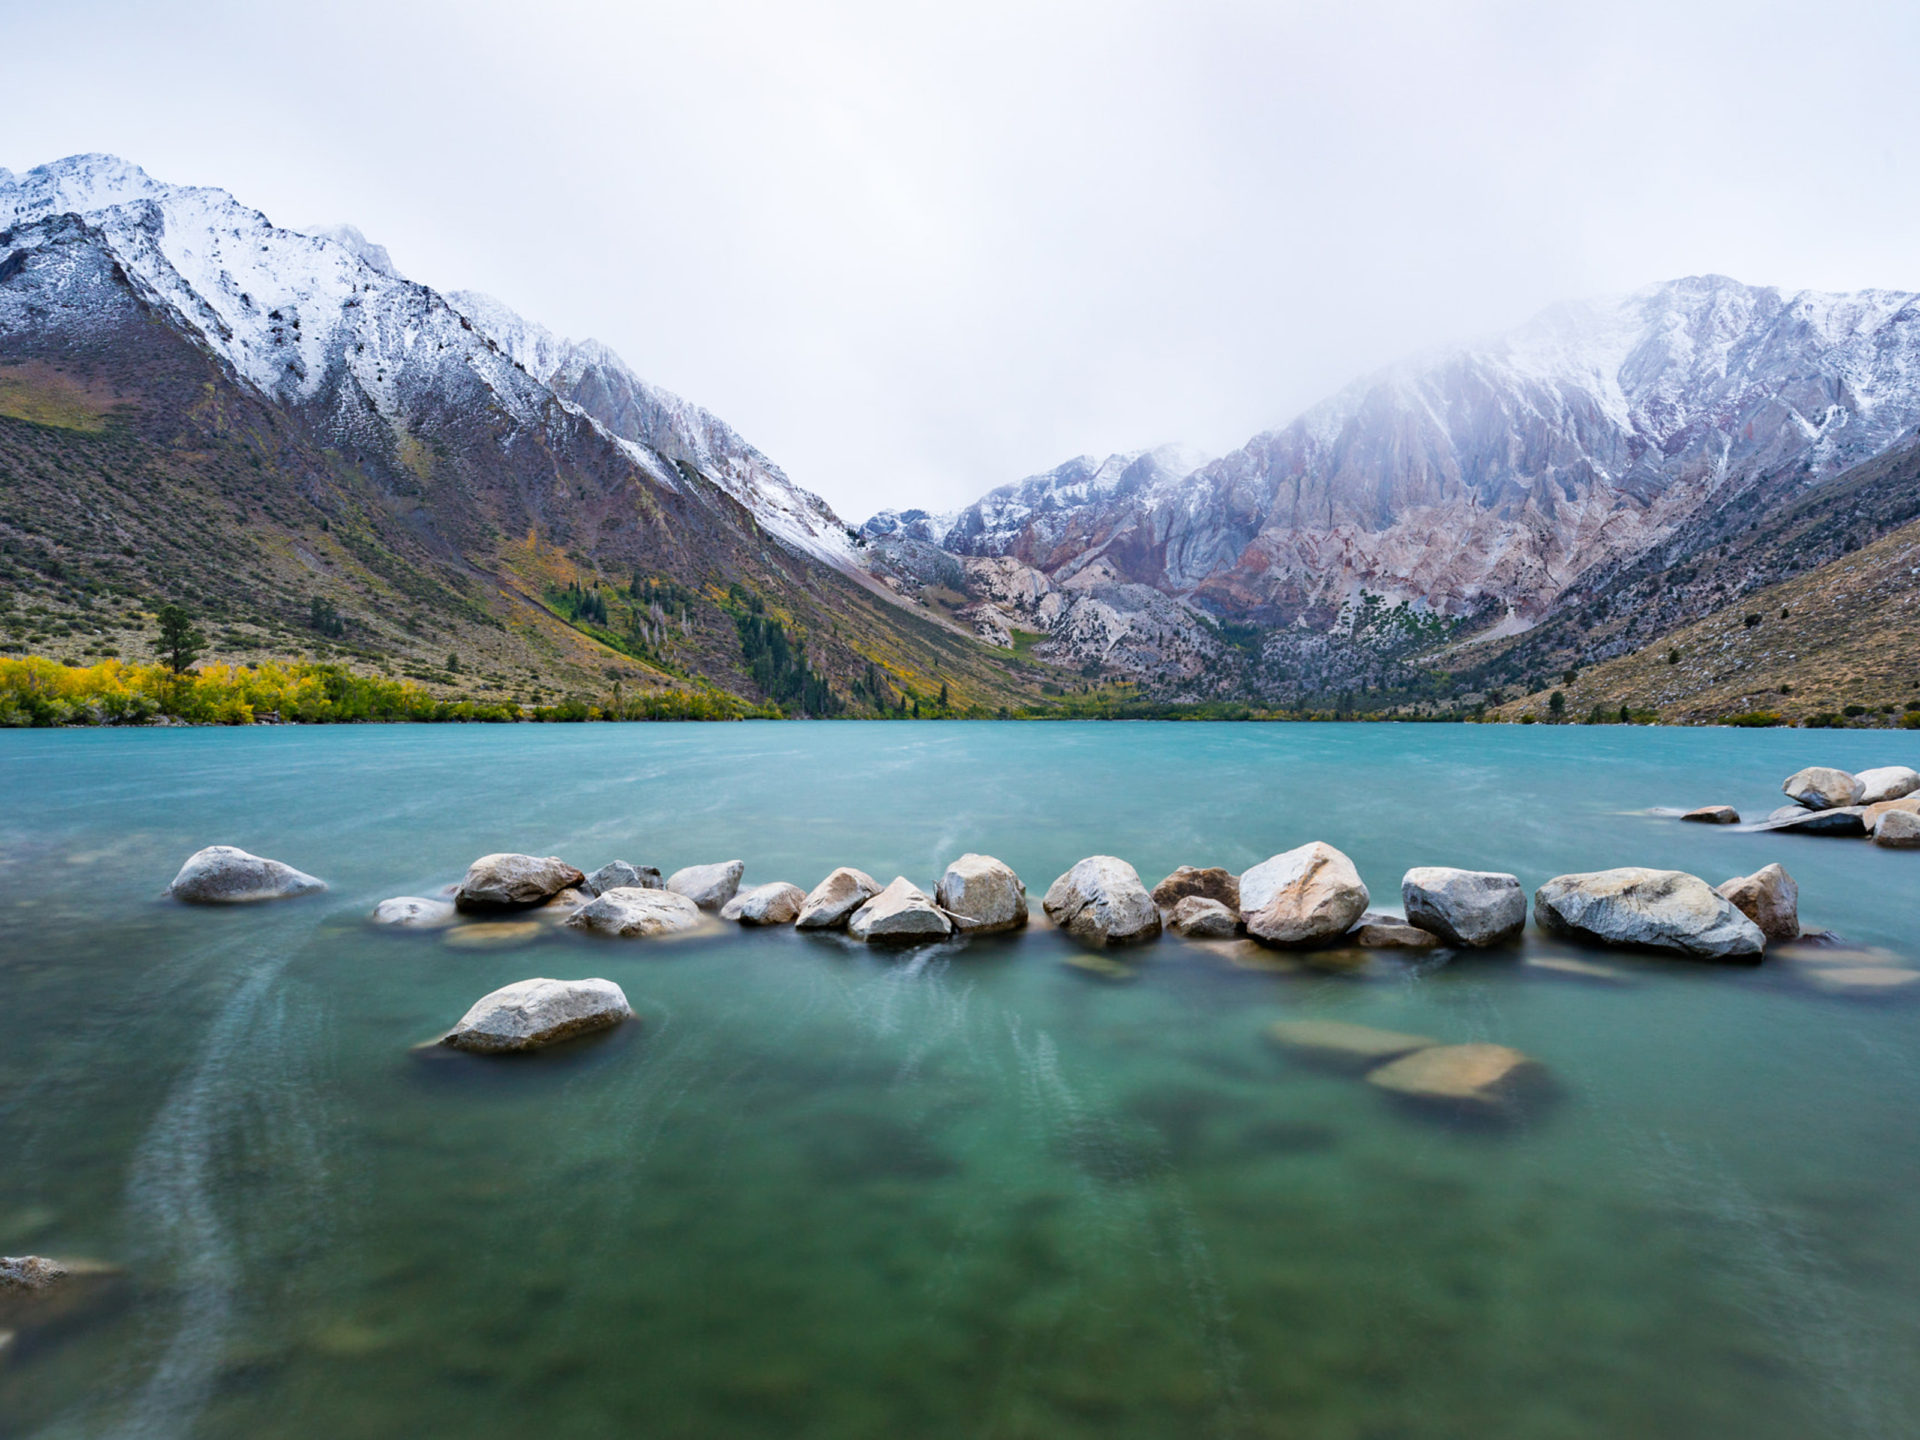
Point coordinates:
[(1846, 635), (146, 477)]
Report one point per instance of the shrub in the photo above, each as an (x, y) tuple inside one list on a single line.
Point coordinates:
[(1753, 719), (1852, 711)]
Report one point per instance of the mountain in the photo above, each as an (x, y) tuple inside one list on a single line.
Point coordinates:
[(324, 457), (1484, 489)]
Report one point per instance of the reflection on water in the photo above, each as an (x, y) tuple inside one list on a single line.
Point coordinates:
[(966, 1190)]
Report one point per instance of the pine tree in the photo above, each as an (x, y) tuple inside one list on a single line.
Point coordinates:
[(181, 641)]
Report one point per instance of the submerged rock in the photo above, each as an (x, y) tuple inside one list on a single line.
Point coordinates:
[(901, 914), (1487, 1079), (708, 886), (38, 1291), (777, 903), (1212, 883), (1199, 917), (1819, 787), (1390, 932), (510, 881), (1310, 895), (831, 903), (1713, 815), (620, 875), (1887, 782), (1579, 969), (1859, 979), (495, 935), (411, 912), (1769, 898), (633, 912), (227, 875), (1475, 908), (531, 1013), (982, 896), (1898, 830), (1665, 910), (1348, 1046), (1102, 900)]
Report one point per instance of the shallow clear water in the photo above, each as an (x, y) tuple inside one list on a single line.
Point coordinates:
[(827, 1193)]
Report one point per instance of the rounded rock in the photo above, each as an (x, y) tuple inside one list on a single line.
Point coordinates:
[(831, 903), (1199, 917), (510, 881), (411, 912), (1102, 900), (1820, 787), (1664, 910), (633, 912), (1475, 908), (1898, 830), (777, 903), (708, 886), (1768, 898), (982, 896), (530, 1014), (1311, 895), (227, 875), (901, 914), (1212, 883)]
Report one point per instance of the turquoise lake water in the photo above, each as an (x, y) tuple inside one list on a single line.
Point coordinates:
[(962, 1191)]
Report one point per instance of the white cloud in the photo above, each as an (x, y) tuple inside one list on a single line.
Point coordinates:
[(914, 251)]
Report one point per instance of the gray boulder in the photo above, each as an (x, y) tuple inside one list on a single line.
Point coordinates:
[(411, 912), (1898, 830), (225, 875), (1768, 898), (619, 875), (982, 896), (531, 1013), (633, 912), (1102, 900), (1666, 910), (1819, 787), (1841, 820), (513, 882), (1200, 918), (1887, 782), (708, 886), (1212, 883), (831, 903), (901, 914), (777, 903), (1465, 907), (1307, 896)]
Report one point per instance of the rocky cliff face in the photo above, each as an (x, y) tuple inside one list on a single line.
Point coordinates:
[(1491, 477)]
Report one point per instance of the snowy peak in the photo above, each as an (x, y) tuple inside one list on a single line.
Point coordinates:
[(349, 238), (592, 377)]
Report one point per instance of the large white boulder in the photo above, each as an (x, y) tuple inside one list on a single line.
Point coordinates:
[(226, 875), (510, 881), (1769, 898), (619, 875), (532, 1013), (1648, 910), (412, 912), (982, 896), (1820, 787), (901, 914), (1887, 782), (831, 903), (777, 903), (1101, 899), (1465, 907), (1307, 896), (708, 886), (633, 912)]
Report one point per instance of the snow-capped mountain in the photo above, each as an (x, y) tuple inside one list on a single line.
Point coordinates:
[(1493, 475), (323, 320), (591, 376)]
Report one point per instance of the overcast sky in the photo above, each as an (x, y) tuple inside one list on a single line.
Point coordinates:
[(914, 251)]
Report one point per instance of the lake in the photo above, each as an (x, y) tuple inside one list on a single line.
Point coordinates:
[(976, 1190)]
